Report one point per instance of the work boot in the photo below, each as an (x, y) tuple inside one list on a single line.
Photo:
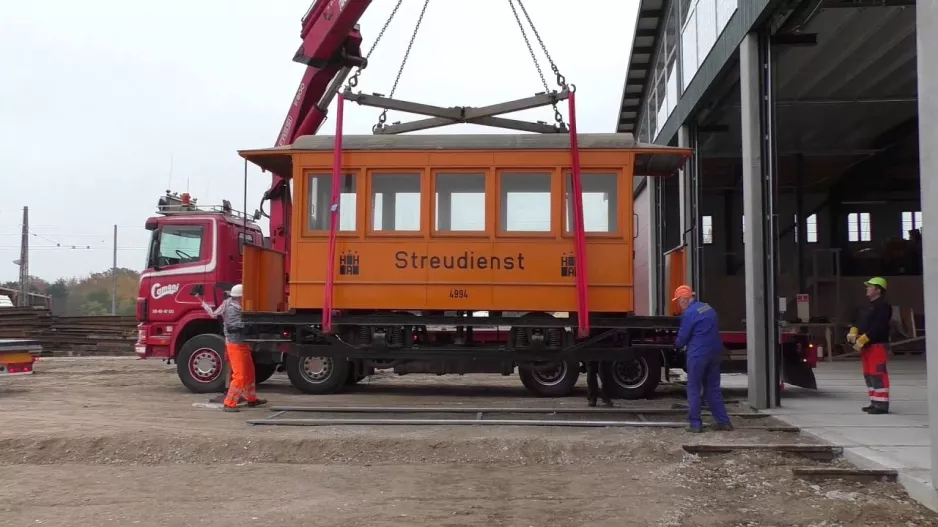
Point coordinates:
[(230, 409), (867, 408), (591, 402), (722, 427), (257, 402), (876, 410), (695, 429)]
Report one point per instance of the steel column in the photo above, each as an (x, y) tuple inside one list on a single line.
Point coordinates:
[(927, 35), (687, 220), (655, 261), (758, 205)]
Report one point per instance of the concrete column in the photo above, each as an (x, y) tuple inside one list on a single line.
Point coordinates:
[(754, 248), (927, 34)]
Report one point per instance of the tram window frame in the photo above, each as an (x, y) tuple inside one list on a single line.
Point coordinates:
[(477, 174), (614, 209), (371, 203), (502, 197), (350, 186)]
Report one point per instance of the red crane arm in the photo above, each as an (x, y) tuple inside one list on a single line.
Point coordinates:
[(331, 47)]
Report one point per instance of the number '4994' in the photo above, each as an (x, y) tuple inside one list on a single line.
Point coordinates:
[(458, 293)]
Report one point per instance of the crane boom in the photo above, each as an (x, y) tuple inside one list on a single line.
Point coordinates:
[(331, 48)]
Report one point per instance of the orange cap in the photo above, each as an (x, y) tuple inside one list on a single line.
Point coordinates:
[(682, 291)]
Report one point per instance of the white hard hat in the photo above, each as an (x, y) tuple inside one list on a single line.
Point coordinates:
[(236, 291)]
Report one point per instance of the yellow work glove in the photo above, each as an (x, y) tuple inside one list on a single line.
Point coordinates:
[(852, 336), (861, 341)]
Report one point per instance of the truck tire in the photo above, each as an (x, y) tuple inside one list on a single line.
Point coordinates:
[(317, 375), (262, 372), (637, 378), (553, 382), (200, 364)]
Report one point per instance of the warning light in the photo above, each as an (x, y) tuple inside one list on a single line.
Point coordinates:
[(185, 198)]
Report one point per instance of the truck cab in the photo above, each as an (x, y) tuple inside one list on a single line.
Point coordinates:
[(195, 254)]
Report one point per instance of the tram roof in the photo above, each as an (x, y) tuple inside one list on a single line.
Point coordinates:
[(651, 159)]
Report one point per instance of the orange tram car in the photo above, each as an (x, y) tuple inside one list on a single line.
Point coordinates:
[(458, 254)]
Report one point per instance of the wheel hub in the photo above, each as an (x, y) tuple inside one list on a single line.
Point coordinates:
[(630, 374), (317, 369), (205, 365), (551, 375)]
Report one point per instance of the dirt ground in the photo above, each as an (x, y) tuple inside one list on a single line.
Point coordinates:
[(116, 441)]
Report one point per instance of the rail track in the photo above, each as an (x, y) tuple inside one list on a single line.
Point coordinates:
[(649, 417)]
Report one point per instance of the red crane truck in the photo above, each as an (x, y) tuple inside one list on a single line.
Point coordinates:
[(196, 252)]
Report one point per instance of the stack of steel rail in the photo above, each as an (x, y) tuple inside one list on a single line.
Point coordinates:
[(93, 335)]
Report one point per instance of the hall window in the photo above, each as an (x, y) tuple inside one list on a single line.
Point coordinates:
[(320, 199), (858, 227), (459, 203), (395, 202), (810, 226), (600, 202), (525, 202), (910, 221), (706, 229)]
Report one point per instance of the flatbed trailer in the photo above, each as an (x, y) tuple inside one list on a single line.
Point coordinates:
[(17, 356)]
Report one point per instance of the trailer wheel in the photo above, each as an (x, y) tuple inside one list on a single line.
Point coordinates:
[(317, 375), (263, 372), (556, 380), (637, 378), (200, 364)]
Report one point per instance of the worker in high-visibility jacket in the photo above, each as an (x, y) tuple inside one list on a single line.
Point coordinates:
[(243, 386), (700, 333), (870, 336)]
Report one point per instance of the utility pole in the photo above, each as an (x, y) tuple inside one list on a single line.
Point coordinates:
[(114, 276), (24, 261)]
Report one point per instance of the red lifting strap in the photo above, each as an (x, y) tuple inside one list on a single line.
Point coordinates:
[(579, 232), (333, 216)]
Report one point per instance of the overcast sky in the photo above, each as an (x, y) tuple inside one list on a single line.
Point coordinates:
[(101, 98)]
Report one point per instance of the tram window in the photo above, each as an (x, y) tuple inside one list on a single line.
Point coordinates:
[(320, 197), (600, 202), (525, 202), (459, 203), (395, 202)]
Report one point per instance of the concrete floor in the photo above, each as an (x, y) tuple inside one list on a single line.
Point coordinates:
[(898, 441)]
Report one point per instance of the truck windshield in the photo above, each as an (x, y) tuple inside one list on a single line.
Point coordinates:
[(178, 245)]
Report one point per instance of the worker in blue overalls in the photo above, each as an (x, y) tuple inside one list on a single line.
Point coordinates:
[(700, 332)]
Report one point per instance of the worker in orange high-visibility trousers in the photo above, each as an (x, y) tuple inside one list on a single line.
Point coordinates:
[(243, 386), (870, 337)]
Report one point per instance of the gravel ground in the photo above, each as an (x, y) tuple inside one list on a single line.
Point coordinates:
[(116, 441)]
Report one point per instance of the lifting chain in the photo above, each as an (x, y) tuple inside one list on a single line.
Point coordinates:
[(353, 80), (384, 114), (561, 80)]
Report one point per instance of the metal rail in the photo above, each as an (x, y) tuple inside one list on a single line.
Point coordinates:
[(641, 417)]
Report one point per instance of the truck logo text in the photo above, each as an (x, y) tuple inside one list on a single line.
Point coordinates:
[(159, 291)]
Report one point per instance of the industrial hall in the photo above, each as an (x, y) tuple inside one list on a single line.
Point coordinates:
[(804, 203)]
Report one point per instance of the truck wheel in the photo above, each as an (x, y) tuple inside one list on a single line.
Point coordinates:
[(200, 363), (262, 372), (317, 375), (637, 378), (558, 380)]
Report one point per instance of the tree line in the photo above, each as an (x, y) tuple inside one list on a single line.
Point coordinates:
[(87, 296)]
